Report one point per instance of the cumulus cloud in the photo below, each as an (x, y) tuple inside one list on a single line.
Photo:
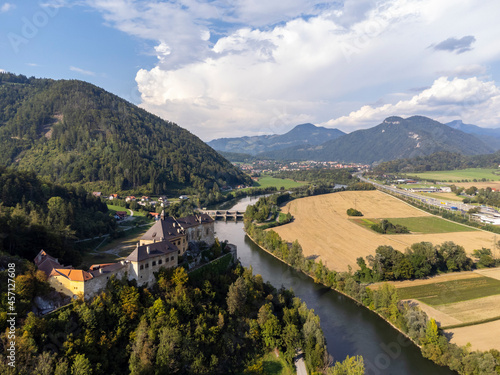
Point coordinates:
[(255, 66), (445, 100), (5, 7), (81, 71), (456, 45)]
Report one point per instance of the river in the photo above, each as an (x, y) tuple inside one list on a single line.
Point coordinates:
[(349, 329)]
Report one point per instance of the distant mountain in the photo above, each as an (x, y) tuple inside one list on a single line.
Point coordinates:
[(395, 138), (75, 132), (490, 136), (304, 134)]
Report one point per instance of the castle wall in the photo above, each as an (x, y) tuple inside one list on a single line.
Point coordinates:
[(67, 286), (204, 232), (146, 268), (99, 282)]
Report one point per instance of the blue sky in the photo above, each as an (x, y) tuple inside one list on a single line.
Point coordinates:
[(245, 67)]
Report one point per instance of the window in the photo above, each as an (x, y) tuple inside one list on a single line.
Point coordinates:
[(147, 265), (172, 258), (141, 267), (178, 252), (154, 263), (160, 261), (207, 231)]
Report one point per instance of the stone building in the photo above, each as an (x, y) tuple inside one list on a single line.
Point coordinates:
[(181, 231), (159, 247), (145, 260)]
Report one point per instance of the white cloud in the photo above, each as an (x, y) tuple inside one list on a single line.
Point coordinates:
[(470, 99), (5, 7), (81, 71), (256, 66)]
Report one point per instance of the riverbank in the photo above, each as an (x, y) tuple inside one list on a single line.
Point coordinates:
[(340, 292)]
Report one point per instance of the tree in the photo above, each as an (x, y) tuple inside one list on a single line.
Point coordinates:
[(81, 366), (350, 366), (237, 296), (180, 277), (142, 351)]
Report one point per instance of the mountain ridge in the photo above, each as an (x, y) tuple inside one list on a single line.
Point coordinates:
[(394, 138), (301, 134)]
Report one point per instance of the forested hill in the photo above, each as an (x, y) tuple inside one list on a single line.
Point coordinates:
[(439, 161), (394, 138), (72, 131)]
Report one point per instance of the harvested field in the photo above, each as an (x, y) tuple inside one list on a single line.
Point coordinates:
[(440, 317), (480, 185), (473, 310), (322, 227), (490, 272), (431, 280), (482, 337)]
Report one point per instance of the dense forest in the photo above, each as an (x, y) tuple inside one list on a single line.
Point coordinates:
[(218, 321), (74, 132), (36, 214), (439, 161), (322, 177)]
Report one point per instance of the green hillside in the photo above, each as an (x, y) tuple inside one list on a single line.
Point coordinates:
[(75, 132)]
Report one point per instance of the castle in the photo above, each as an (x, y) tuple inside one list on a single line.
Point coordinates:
[(160, 247)]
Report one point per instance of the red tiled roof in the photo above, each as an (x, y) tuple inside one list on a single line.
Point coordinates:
[(73, 275)]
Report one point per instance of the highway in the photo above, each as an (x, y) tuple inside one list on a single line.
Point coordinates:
[(441, 203)]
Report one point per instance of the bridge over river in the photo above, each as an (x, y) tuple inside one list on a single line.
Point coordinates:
[(224, 214)]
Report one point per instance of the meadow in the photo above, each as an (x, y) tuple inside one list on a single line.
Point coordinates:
[(269, 181), (460, 174), (430, 224), (441, 293)]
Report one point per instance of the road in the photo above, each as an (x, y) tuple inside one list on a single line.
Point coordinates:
[(441, 203), (300, 364)]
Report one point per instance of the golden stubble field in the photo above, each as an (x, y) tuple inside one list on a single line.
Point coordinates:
[(322, 227), (482, 337), (479, 336)]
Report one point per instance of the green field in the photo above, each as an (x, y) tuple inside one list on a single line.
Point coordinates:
[(113, 209), (269, 181), (461, 174), (269, 364), (430, 224), (452, 291)]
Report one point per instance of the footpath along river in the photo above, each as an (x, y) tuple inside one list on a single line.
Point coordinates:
[(349, 329)]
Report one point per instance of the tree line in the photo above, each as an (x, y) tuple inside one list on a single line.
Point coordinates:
[(439, 161)]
